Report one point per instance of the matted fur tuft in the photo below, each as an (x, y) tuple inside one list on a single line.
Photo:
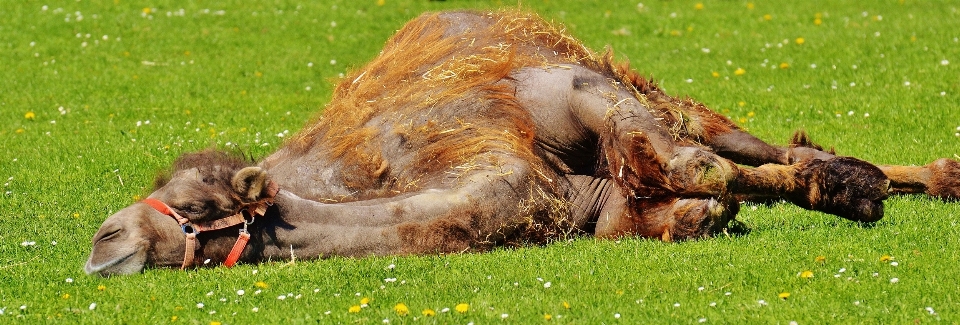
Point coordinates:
[(802, 139), (205, 161)]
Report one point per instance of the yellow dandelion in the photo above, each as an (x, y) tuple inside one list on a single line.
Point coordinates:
[(428, 312), (29, 115), (101, 287), (365, 301), (261, 285), (913, 38), (741, 103), (354, 309), (742, 120), (751, 114), (258, 74), (173, 318), (821, 259), (767, 17), (886, 258), (147, 10), (784, 295), (806, 274), (213, 322), (401, 309), (547, 317), (740, 71), (21, 130), (715, 74), (784, 65), (566, 305), (381, 2), (462, 308), (750, 5), (65, 296), (674, 32), (698, 6), (800, 40), (817, 21)]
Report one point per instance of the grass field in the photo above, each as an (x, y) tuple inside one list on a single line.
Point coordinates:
[(97, 96)]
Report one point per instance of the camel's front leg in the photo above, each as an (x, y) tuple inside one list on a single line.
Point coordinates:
[(940, 179), (843, 186), (648, 163)]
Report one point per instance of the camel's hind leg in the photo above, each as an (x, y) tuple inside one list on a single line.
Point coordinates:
[(940, 179)]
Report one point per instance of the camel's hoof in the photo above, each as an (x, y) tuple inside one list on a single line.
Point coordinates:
[(846, 187), (945, 179)]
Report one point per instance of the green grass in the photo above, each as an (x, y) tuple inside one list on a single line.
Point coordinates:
[(237, 79)]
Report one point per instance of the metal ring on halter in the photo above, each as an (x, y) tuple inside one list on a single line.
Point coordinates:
[(193, 230)]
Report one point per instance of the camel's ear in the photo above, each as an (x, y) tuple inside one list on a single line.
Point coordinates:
[(250, 182)]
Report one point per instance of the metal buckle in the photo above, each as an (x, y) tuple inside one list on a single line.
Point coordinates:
[(186, 226)]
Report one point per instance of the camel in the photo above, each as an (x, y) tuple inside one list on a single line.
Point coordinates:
[(473, 130)]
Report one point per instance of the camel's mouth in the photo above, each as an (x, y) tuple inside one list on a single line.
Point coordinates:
[(125, 264)]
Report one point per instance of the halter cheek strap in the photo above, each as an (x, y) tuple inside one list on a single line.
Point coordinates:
[(192, 229)]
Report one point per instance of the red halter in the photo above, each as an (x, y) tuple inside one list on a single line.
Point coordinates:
[(191, 230)]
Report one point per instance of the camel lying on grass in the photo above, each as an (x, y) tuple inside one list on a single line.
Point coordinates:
[(473, 130)]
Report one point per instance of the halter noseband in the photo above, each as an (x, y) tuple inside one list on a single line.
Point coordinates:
[(191, 229)]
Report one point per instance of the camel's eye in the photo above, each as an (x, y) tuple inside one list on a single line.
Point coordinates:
[(192, 209), (110, 235)]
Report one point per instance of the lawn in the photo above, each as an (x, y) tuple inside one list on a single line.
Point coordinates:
[(96, 97)]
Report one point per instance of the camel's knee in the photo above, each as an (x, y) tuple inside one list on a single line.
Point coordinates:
[(651, 171), (693, 171)]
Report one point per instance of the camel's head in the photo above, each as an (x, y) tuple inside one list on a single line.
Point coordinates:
[(202, 187)]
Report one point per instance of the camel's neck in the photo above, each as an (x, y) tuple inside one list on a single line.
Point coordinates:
[(300, 228)]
